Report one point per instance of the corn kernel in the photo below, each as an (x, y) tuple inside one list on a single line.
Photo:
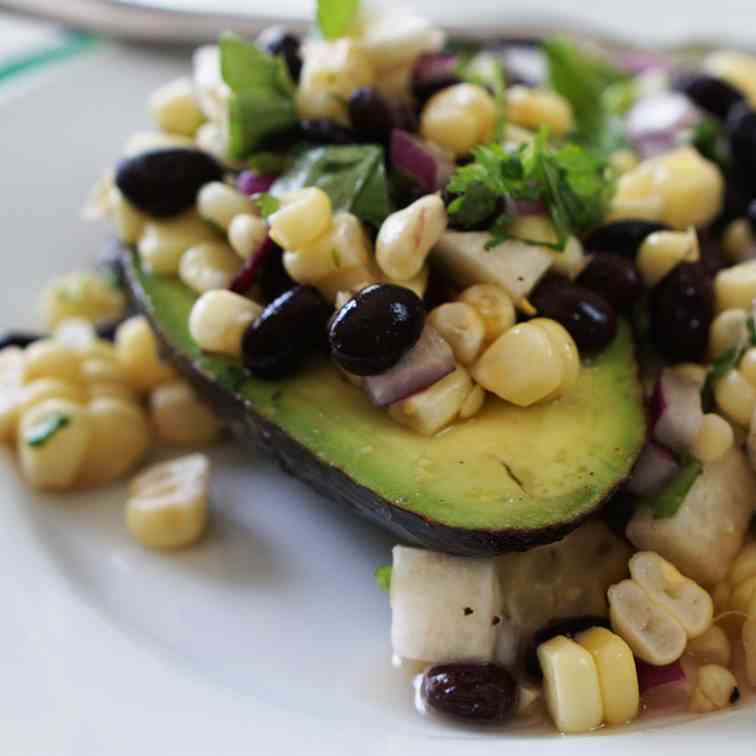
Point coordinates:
[(521, 366), (565, 346), (716, 688), (219, 204), (180, 418), (683, 599), (174, 108), (714, 439), (749, 643), (736, 397), (721, 597), (494, 306), (167, 504), (431, 410), (744, 565), (111, 390), (735, 288), (459, 118), (737, 68), (304, 215), (571, 685), (164, 242), (713, 647), (622, 161), (618, 676), (120, 439), (664, 250), (462, 329), (473, 404), (77, 333), (679, 188), (127, 220), (532, 108), (137, 353), (246, 234), (738, 241), (407, 236), (728, 330), (742, 595), (48, 358), (53, 439), (218, 321), (650, 630), (209, 266), (80, 294)]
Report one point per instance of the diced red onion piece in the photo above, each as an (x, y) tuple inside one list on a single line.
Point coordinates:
[(642, 61), (434, 67), (653, 125), (525, 64), (655, 467), (529, 207), (676, 410), (430, 360), (650, 677), (429, 167), (251, 183), (245, 278)]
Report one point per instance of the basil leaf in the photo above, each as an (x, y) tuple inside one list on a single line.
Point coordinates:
[(668, 502), (336, 16), (383, 577), (353, 176), (262, 95), (584, 80), (267, 204), (43, 432)]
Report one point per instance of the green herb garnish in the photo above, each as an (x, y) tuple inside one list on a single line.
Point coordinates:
[(336, 16), (262, 94), (727, 361), (585, 79), (268, 163), (570, 181), (667, 503), (267, 204), (232, 377), (383, 577), (43, 432), (353, 176)]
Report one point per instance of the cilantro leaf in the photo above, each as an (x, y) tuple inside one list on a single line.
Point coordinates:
[(727, 361), (43, 432), (383, 577), (267, 204), (570, 181), (353, 176), (336, 16), (584, 79), (667, 503), (262, 94)]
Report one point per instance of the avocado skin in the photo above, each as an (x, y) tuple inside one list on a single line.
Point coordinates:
[(252, 428)]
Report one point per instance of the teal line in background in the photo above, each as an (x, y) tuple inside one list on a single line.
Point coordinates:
[(72, 44)]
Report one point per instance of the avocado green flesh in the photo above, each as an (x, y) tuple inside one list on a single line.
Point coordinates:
[(507, 469)]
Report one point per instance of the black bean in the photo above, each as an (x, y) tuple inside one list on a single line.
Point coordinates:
[(614, 278), (741, 125), (589, 318), (569, 627), (621, 237), (279, 41), (165, 182), (710, 93), (376, 328), (289, 329), (681, 310), (424, 88), (325, 131), (751, 215), (273, 279), (19, 339), (371, 116), (472, 692)]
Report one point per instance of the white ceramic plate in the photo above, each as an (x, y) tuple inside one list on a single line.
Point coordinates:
[(270, 638)]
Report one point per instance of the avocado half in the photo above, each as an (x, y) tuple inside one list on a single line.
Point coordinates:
[(505, 480)]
